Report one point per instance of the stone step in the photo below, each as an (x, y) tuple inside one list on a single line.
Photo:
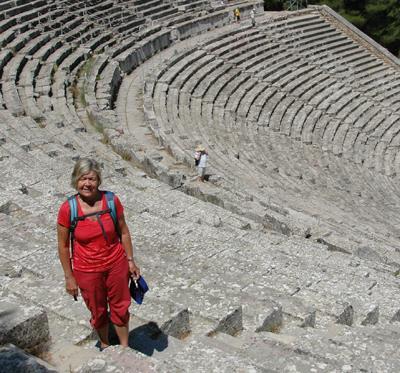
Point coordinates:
[(205, 356), (23, 324), (258, 349), (13, 359)]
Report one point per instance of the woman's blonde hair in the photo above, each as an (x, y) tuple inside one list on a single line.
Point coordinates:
[(82, 167)]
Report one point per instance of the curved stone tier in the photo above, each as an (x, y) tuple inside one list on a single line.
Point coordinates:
[(284, 119)]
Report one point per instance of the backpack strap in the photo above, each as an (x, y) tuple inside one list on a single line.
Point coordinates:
[(73, 219), (111, 205), (73, 207)]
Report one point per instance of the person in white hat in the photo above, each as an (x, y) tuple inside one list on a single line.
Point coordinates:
[(253, 16), (200, 161)]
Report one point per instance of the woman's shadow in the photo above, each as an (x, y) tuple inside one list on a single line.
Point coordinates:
[(145, 338)]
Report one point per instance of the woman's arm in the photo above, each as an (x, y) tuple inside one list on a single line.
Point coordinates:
[(63, 253), (126, 241)]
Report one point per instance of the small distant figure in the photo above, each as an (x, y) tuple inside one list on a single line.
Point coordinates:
[(200, 161), (236, 12), (253, 16)]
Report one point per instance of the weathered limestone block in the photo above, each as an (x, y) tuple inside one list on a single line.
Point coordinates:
[(12, 209), (12, 99), (309, 319), (332, 245), (118, 359), (171, 319), (178, 325), (344, 313), (23, 325), (149, 114), (12, 359), (272, 319), (272, 223), (129, 60), (303, 314), (396, 317), (196, 27), (372, 316), (103, 119), (109, 84), (216, 221), (366, 253), (232, 323), (5, 57), (10, 270), (208, 355)]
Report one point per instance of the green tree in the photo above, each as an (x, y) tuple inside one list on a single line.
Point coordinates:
[(383, 23), (380, 19), (273, 5)]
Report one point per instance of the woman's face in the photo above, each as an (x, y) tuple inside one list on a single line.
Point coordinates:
[(88, 185)]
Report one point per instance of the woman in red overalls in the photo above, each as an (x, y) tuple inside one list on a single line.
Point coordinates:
[(102, 259)]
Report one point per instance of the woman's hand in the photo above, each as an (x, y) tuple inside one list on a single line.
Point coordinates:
[(71, 286), (134, 270)]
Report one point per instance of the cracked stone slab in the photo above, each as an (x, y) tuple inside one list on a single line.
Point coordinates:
[(23, 324), (372, 316), (344, 313), (119, 359), (13, 359)]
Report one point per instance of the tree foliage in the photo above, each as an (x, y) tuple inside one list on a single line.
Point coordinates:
[(380, 19), (273, 5)]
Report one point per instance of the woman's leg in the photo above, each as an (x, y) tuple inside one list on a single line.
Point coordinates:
[(102, 332), (93, 290), (119, 299), (123, 334)]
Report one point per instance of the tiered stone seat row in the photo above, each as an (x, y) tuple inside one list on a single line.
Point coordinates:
[(131, 52), (196, 93), (93, 14), (43, 71), (356, 69), (14, 136), (162, 222), (32, 94), (191, 5), (47, 76)]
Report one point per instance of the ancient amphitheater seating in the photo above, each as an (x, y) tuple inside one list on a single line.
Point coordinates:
[(192, 5), (27, 14), (155, 10), (57, 56), (50, 282), (292, 307), (142, 6), (295, 130), (52, 54), (89, 83), (338, 106), (91, 10), (132, 25)]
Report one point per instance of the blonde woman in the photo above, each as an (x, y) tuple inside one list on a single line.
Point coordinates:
[(96, 252)]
